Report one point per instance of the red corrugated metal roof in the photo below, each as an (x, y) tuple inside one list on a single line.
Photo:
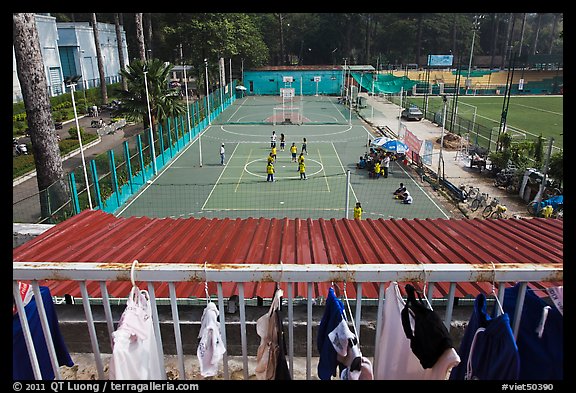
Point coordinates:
[(95, 236)]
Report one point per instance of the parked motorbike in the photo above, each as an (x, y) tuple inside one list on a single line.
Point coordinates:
[(19, 148)]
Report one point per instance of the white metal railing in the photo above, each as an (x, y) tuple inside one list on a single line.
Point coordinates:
[(243, 273)]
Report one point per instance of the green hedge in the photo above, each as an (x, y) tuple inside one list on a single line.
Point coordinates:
[(25, 164)]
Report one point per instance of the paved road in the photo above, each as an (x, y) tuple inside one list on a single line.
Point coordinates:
[(26, 206)]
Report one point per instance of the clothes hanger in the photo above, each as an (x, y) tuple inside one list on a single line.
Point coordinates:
[(348, 304), (500, 309), (424, 290), (208, 299), (132, 271)]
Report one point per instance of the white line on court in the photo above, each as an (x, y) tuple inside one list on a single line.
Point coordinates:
[(325, 175), (149, 182), (344, 170), (242, 174), (424, 192), (217, 180)]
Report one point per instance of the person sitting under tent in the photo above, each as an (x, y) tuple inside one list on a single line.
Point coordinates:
[(361, 163)]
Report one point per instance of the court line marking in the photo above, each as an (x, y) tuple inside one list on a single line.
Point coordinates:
[(347, 129), (344, 170), (424, 192), (159, 174), (325, 175), (242, 174), (217, 180)]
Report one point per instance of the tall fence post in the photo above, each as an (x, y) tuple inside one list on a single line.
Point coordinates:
[(74, 192), (347, 203), (96, 184)]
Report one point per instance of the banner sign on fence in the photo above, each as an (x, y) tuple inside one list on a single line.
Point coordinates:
[(412, 141), (427, 155)]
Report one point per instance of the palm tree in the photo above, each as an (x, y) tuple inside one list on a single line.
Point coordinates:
[(164, 101), (32, 77), (140, 36)]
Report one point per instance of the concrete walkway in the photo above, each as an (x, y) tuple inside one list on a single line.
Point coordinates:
[(381, 113)]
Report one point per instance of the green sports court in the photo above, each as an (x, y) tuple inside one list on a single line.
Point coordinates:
[(195, 184)]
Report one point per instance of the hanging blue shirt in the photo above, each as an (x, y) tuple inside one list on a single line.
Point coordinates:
[(21, 366), (333, 315), (541, 358), (494, 353)]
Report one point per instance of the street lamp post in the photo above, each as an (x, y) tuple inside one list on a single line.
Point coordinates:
[(83, 78), (445, 99), (207, 92), (186, 91), (475, 27), (72, 87), (343, 73), (154, 167)]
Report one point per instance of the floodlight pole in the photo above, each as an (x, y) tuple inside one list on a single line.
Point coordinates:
[(445, 99), (343, 80), (400, 110), (475, 27), (72, 87), (154, 167)]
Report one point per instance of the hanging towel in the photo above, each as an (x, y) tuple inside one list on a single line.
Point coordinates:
[(541, 358), (332, 321), (394, 357), (134, 354), (488, 349), (21, 366), (271, 355), (211, 349)]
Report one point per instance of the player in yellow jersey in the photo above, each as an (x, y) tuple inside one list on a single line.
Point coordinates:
[(293, 150), (270, 171), (273, 153), (358, 211), (302, 170)]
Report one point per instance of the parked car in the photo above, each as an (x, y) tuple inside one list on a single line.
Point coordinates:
[(412, 113)]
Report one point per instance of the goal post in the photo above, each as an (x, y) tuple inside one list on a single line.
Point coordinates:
[(287, 115)]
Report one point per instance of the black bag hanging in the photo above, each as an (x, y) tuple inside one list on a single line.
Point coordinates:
[(282, 371), (430, 337)]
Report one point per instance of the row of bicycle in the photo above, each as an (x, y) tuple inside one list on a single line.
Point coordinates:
[(551, 207), (476, 200)]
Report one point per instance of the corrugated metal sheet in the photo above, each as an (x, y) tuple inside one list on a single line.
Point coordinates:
[(95, 236)]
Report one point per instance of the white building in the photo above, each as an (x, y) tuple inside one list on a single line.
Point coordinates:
[(68, 49)]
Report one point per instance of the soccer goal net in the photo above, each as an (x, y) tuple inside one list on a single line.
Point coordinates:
[(287, 115)]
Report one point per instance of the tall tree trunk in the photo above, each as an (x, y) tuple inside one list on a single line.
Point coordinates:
[(554, 27), (103, 90), (32, 77), (120, 49), (494, 40), (140, 36), (522, 34), (282, 56), (507, 49), (535, 46), (149, 35), (419, 38), (368, 37)]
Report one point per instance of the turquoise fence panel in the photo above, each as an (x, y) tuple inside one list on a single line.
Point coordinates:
[(96, 183)]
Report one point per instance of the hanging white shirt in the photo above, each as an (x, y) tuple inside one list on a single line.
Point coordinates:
[(211, 348), (135, 354), (394, 357)]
